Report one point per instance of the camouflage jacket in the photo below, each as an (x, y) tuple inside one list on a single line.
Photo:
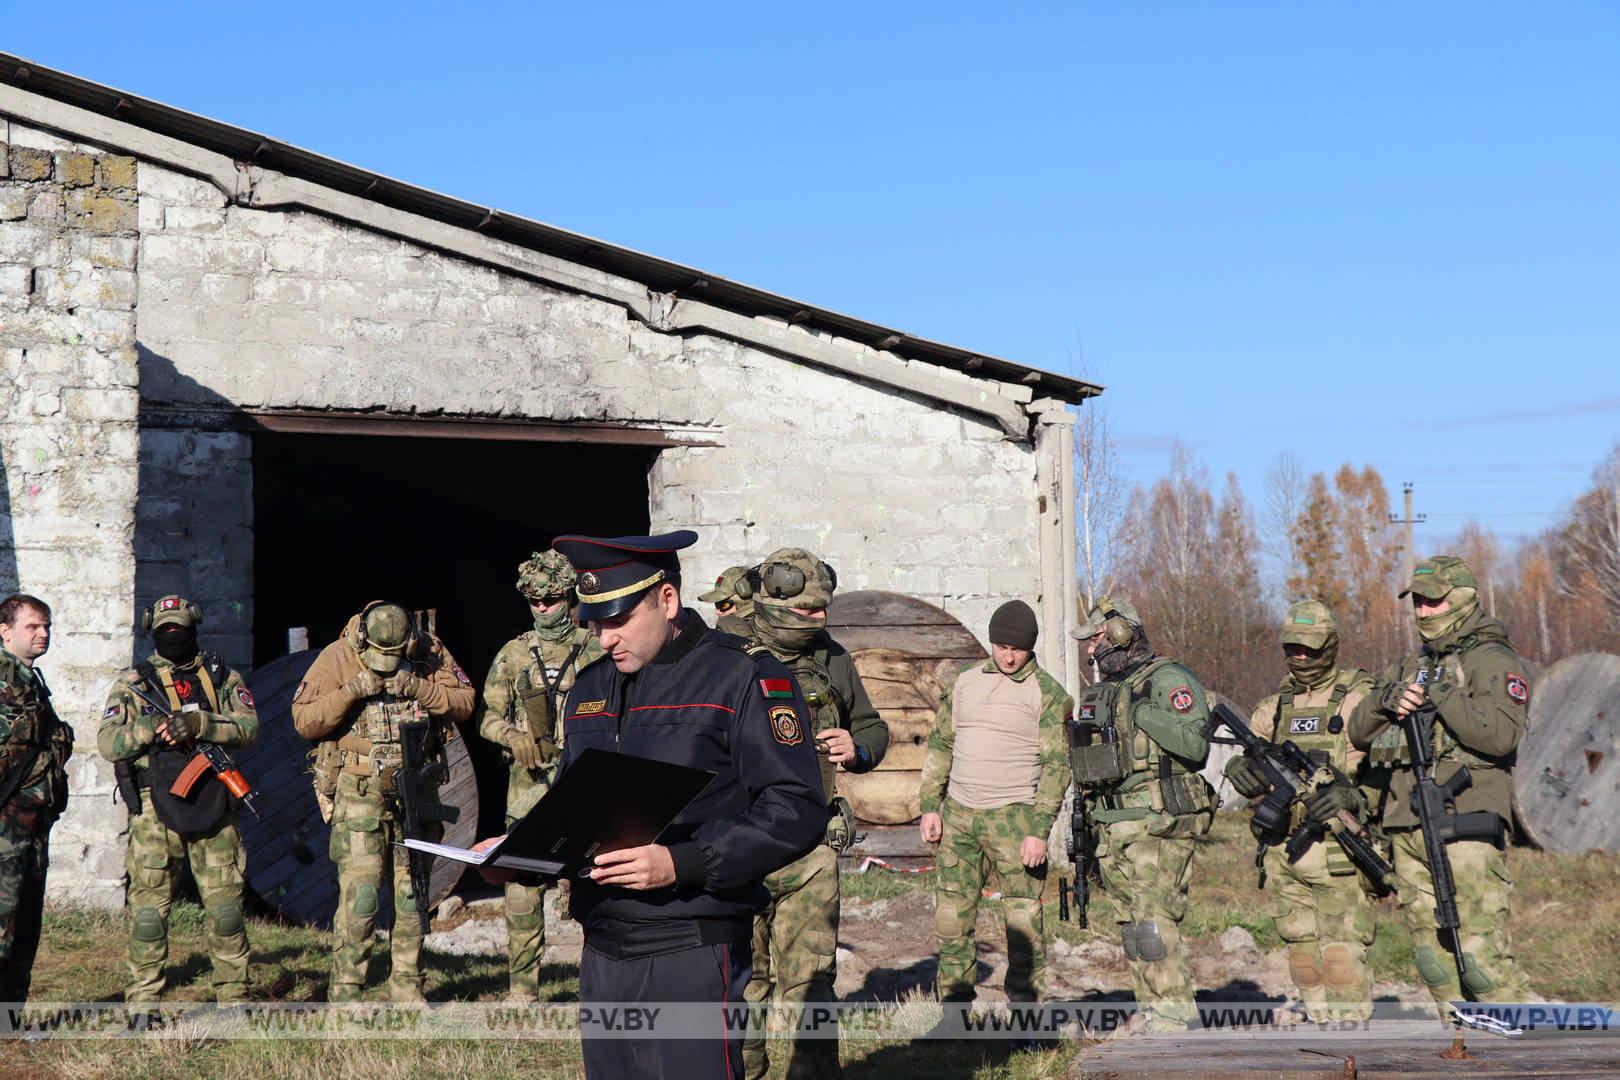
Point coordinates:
[(1056, 708), (27, 720), (129, 725), (514, 676)]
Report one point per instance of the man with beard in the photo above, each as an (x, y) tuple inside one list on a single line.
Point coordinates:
[(796, 937), (523, 702), (1480, 689), (1136, 746), (206, 702), (34, 749), (1320, 904)]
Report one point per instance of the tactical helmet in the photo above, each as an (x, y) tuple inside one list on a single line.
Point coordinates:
[(171, 611), (1308, 623), (545, 574), (790, 577), (1435, 577), (1112, 615), (385, 636)]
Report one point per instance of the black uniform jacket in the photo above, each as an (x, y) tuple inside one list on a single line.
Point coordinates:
[(702, 702)]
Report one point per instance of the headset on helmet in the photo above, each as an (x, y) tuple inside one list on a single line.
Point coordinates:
[(780, 580), (193, 612), (413, 636), (1117, 629)]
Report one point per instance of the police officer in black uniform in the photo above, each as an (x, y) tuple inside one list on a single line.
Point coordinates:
[(672, 921)]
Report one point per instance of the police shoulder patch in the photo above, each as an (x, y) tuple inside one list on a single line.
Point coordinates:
[(785, 726), (1518, 688), (1181, 699)]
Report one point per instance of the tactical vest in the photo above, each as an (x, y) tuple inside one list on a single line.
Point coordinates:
[(1110, 754), (538, 693), (815, 682), (1319, 731), (1389, 749), (209, 803), (25, 755)]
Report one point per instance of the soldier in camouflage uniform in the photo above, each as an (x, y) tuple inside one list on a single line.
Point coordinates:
[(992, 780), (1136, 746), (732, 612), (382, 672), (34, 749), (1319, 902), (209, 703), (1480, 688), (523, 701), (796, 936)]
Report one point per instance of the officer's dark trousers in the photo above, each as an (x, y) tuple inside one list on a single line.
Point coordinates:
[(703, 973)]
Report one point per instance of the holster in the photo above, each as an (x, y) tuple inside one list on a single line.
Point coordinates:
[(129, 788)]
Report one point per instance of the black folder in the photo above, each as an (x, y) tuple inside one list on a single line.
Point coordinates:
[(602, 802)]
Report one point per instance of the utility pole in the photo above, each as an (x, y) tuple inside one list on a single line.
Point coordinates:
[(1408, 520)]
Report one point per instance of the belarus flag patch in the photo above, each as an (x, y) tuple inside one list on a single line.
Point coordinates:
[(776, 688)]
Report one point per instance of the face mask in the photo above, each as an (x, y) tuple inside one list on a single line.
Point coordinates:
[(176, 644), (553, 625), (1464, 602), (1309, 669), (1118, 659), (785, 631)]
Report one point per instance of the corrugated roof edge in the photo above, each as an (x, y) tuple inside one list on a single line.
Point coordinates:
[(659, 274)]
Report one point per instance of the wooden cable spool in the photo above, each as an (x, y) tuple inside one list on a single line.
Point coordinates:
[(907, 652), (1566, 783), (288, 865)]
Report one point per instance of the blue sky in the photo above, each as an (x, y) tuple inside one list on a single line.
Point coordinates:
[(1380, 233)]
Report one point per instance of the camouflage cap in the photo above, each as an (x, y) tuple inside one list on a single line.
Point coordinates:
[(1107, 607), (545, 574), (173, 611), (725, 586), (1435, 577), (1308, 623), (792, 577), (386, 631)]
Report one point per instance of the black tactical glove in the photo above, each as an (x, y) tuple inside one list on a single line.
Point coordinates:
[(1246, 778), (1322, 807), (185, 725)]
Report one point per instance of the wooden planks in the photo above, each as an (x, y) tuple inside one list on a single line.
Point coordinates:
[(287, 861), (1567, 780)]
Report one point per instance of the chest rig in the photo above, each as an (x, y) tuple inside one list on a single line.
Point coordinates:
[(1389, 749), (1105, 746), (26, 755), (1315, 729), (184, 689), (538, 693), (815, 683)]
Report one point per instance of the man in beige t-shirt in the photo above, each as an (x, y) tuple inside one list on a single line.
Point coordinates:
[(992, 780)]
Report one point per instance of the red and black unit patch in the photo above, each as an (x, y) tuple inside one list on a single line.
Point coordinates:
[(1181, 699), (245, 696), (461, 676), (112, 711), (169, 603), (785, 726), (183, 689), (777, 688), (1518, 688)]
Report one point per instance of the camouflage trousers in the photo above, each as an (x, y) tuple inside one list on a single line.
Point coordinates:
[(1484, 890), (25, 831), (156, 858), (362, 848), (977, 845), (1326, 921), (1146, 865), (525, 904), (795, 957)]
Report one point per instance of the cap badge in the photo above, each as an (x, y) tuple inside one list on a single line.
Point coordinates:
[(588, 581)]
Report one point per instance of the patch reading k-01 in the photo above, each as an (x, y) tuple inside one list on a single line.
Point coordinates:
[(591, 708), (1305, 725), (785, 726)]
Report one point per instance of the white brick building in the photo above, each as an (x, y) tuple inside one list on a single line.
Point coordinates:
[(228, 361)]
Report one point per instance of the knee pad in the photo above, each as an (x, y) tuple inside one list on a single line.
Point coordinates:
[(1340, 967), (1474, 979), (227, 919), (1431, 966), (1127, 938), (1303, 968), (364, 902), (1150, 944), (148, 925)]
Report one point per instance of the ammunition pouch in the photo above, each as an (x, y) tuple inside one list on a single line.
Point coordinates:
[(840, 825), (1181, 793), (129, 788), (535, 721), (1099, 753)]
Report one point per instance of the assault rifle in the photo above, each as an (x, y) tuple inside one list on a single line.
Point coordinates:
[(209, 757), (415, 740), (1291, 774), (1082, 850), (1435, 804)]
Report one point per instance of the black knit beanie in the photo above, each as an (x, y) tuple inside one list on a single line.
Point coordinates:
[(1014, 624)]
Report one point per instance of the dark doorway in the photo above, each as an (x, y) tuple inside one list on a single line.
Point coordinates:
[(341, 520)]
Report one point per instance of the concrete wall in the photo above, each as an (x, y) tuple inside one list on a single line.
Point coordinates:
[(68, 264)]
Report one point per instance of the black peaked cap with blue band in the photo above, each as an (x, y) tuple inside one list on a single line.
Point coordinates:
[(616, 571)]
